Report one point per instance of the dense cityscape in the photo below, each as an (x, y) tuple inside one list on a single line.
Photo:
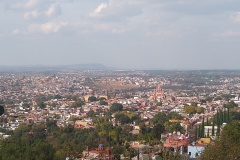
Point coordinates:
[(118, 114), (119, 80)]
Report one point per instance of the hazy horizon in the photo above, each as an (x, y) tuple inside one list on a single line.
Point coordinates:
[(128, 34)]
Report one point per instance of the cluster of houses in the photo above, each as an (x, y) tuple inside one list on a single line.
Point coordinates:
[(146, 103)]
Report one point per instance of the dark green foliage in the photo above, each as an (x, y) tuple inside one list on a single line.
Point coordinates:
[(174, 115), (1, 110), (91, 113), (41, 104), (160, 118), (123, 118), (208, 135), (102, 99), (26, 105), (78, 103), (126, 117), (193, 109), (235, 115), (27, 142), (115, 107), (230, 104), (196, 133), (159, 104), (174, 127), (227, 97), (92, 99), (157, 130), (57, 96), (117, 151), (103, 102), (209, 99), (1, 101), (202, 129), (227, 147), (213, 131), (199, 132)]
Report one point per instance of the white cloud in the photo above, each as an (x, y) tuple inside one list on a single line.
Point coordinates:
[(115, 10), (32, 3), (98, 10), (230, 33), (53, 10), (164, 33), (35, 9), (25, 4), (16, 32), (31, 15), (236, 17), (46, 28), (226, 34)]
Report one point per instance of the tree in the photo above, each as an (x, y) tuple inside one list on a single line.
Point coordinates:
[(1, 101), (208, 133), (102, 99), (230, 104), (117, 151), (213, 128), (91, 113), (26, 105), (159, 104), (157, 130), (115, 107), (174, 115), (1, 110), (160, 118), (57, 96), (189, 109), (92, 99), (227, 147), (174, 127), (209, 99), (41, 104), (227, 97), (202, 129), (122, 117), (193, 109), (103, 102), (78, 103)]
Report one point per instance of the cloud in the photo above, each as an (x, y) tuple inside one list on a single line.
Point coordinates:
[(31, 15), (25, 4), (164, 33), (53, 10), (1, 35), (116, 10), (35, 9), (226, 34), (236, 17), (230, 33), (98, 10), (16, 32), (46, 28)]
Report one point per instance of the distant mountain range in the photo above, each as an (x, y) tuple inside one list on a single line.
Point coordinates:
[(93, 66)]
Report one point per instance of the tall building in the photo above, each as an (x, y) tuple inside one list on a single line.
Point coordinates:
[(159, 93)]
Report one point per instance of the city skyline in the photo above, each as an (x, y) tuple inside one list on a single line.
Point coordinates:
[(128, 34)]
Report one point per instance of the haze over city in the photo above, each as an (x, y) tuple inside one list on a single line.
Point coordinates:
[(130, 34)]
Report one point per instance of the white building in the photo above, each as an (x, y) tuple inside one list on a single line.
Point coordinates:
[(195, 151)]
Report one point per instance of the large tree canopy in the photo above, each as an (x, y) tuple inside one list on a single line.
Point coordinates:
[(115, 107), (227, 147), (1, 110)]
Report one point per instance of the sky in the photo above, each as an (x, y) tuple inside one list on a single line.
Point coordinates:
[(127, 34)]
